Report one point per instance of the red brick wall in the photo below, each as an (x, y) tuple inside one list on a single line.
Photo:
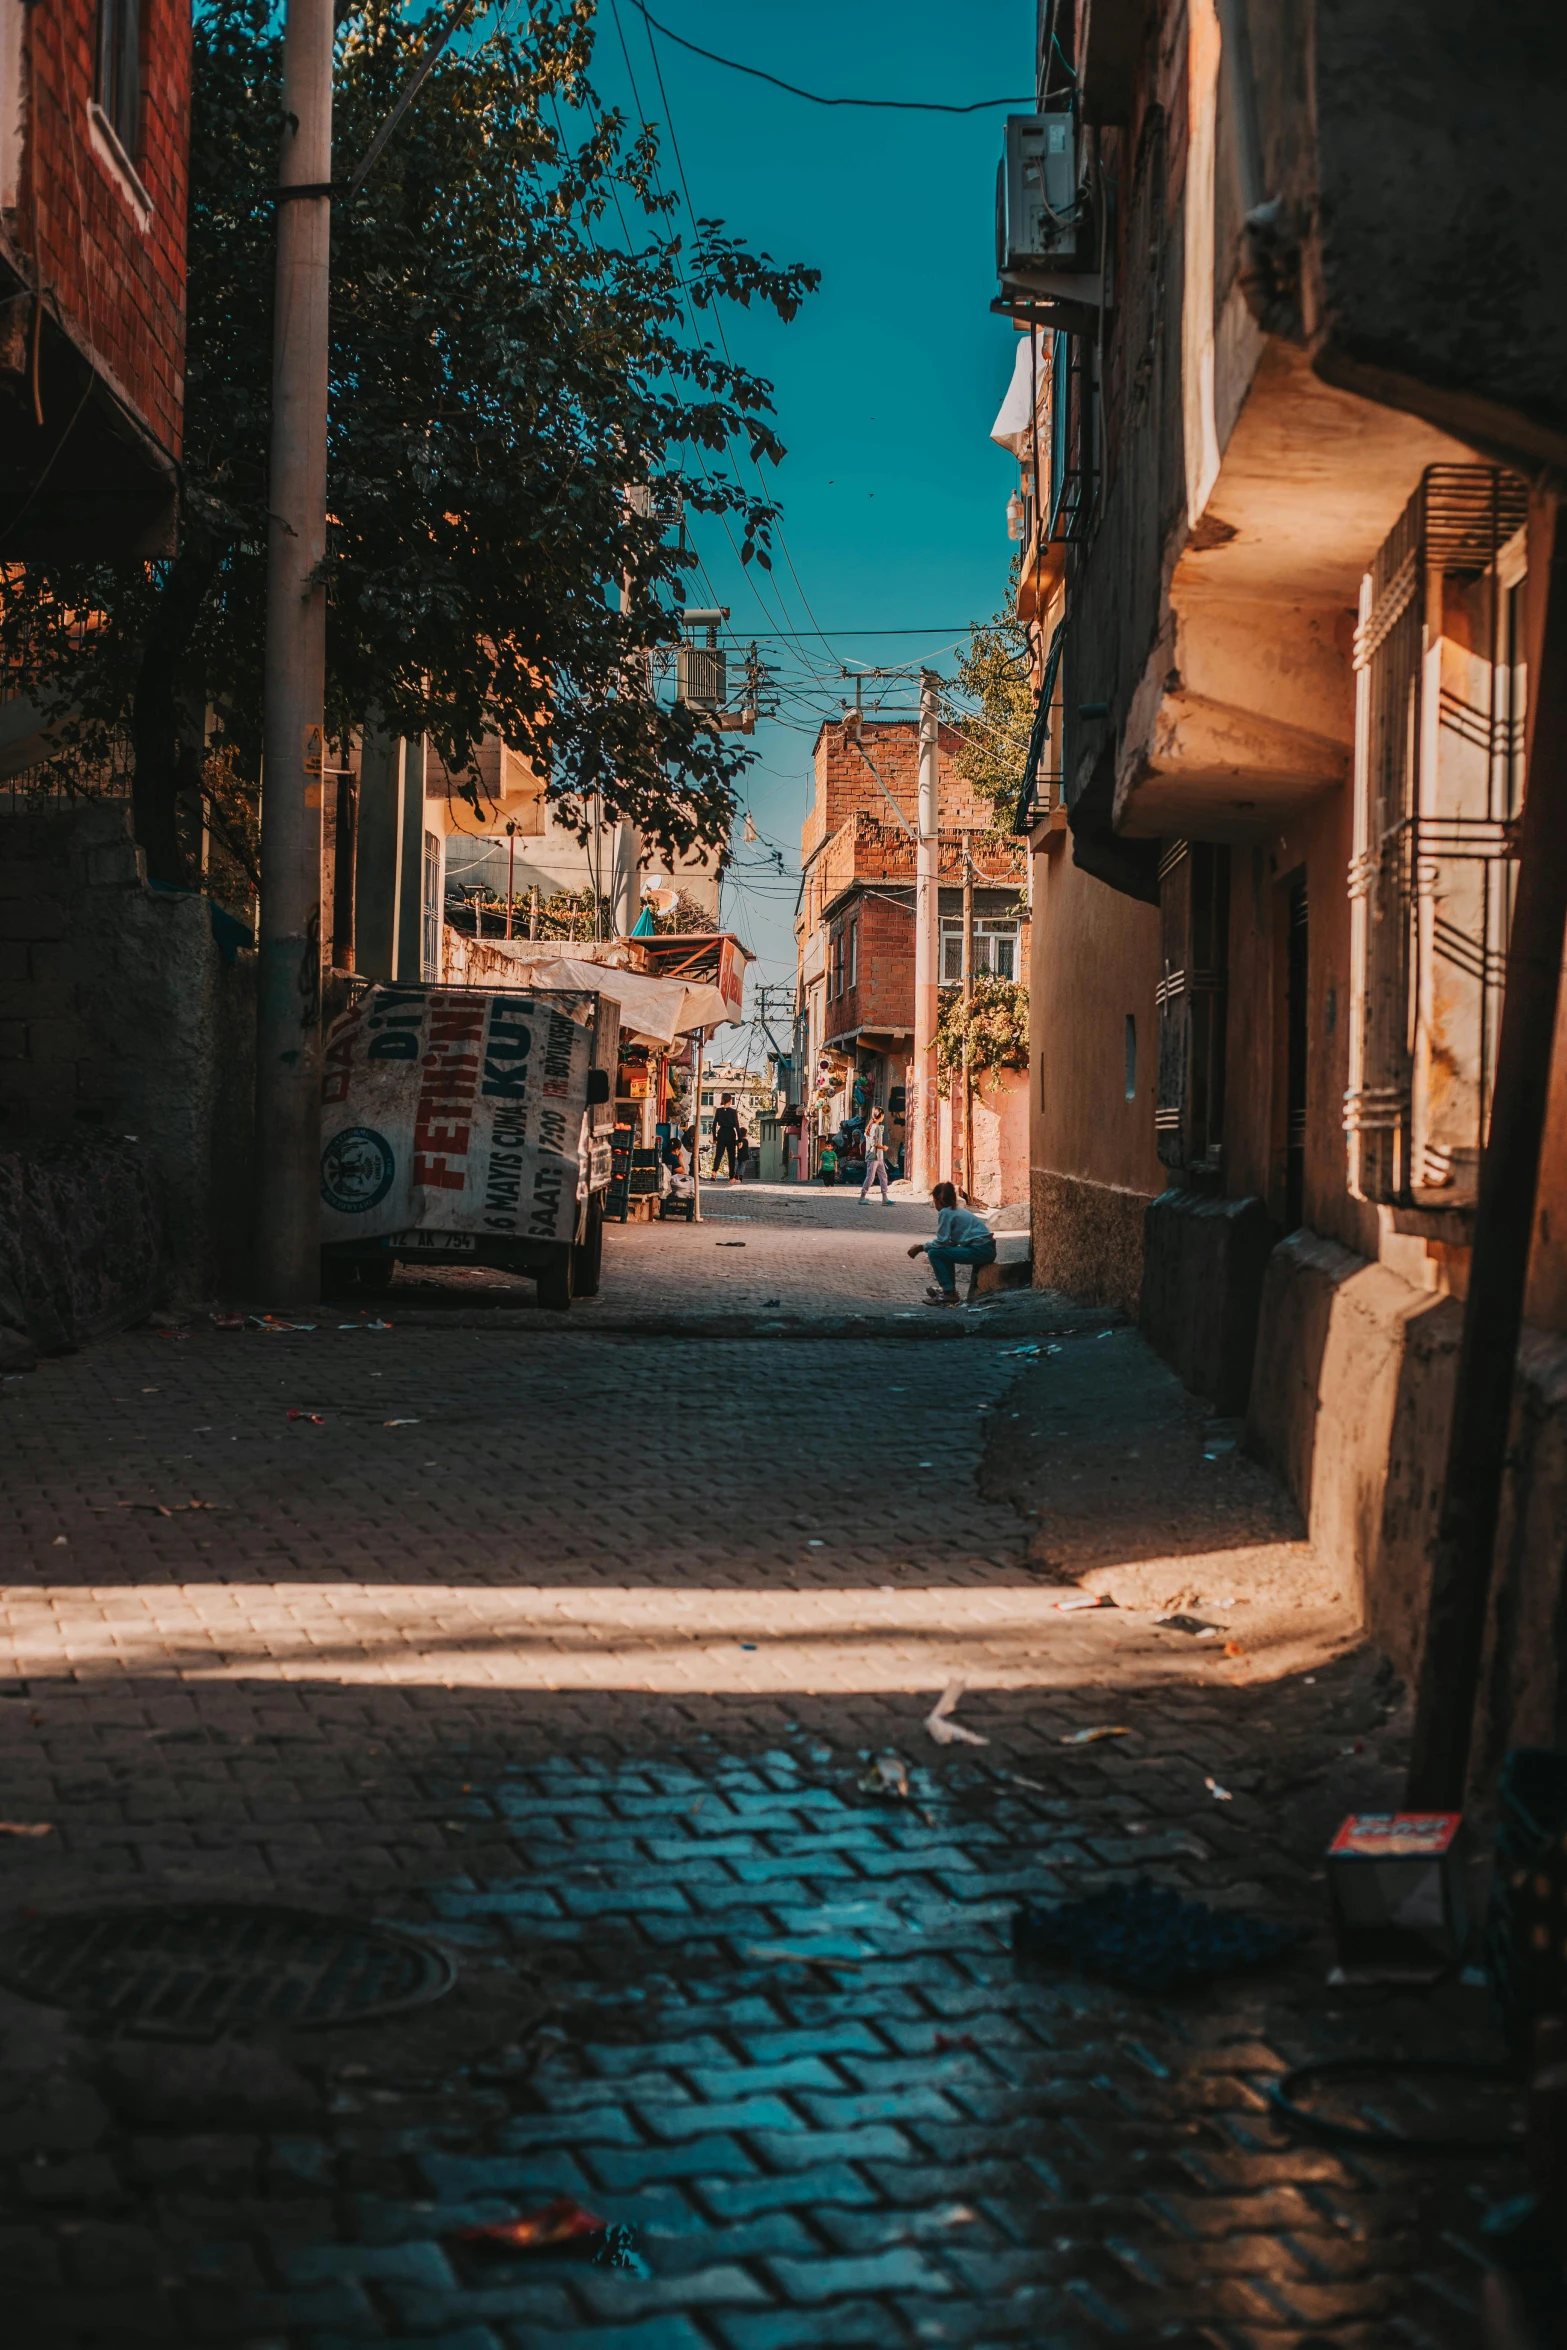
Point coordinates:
[(118, 276), (884, 994), (844, 782)]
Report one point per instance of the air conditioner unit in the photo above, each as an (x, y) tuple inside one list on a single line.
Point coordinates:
[(1037, 207)]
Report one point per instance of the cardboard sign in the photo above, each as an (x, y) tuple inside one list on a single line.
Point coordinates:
[(452, 1109)]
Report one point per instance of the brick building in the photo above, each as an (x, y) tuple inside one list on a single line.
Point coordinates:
[(855, 938), (94, 129)]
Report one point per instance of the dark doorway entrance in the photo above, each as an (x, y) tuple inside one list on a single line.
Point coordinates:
[(1291, 1126)]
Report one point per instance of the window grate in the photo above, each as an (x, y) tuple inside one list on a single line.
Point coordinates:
[(1438, 788)]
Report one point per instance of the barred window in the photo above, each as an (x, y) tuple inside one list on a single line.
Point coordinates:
[(1440, 688)]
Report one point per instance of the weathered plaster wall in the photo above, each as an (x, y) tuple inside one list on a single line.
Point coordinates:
[(1093, 963), (118, 1013), (1350, 1404)]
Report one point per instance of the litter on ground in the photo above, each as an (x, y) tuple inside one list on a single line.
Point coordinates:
[(1219, 1794), (1077, 1602), (26, 1827), (1146, 1936), (1092, 1737), (316, 1419), (1195, 1625), (562, 2221), (885, 1774), (940, 1724)]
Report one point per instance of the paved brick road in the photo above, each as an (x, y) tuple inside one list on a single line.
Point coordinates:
[(570, 1647)]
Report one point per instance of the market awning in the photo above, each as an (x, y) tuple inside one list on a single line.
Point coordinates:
[(652, 1011)]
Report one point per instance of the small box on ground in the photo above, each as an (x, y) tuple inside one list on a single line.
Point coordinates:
[(1396, 1881)]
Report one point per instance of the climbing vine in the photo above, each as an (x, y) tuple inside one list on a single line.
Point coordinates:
[(995, 1025)]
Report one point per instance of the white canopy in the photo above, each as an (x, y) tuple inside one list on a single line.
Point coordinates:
[(1014, 425), (652, 1011)]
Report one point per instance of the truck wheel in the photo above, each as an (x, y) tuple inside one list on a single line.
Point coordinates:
[(587, 1257), (554, 1285)]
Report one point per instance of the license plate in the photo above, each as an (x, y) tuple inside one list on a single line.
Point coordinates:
[(439, 1243)]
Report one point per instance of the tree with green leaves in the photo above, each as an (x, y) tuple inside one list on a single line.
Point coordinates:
[(523, 390), (992, 707)]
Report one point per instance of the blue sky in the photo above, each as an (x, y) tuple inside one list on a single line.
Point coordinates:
[(887, 382)]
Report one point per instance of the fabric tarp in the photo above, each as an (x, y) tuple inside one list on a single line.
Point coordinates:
[(1013, 427), (652, 1011)]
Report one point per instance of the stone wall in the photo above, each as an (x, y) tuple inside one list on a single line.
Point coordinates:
[(1088, 1239), (122, 1016), (1350, 1404)]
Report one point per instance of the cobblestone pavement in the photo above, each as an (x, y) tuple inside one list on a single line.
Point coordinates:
[(570, 1648)]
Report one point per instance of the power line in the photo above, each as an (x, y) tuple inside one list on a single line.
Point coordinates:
[(888, 105)]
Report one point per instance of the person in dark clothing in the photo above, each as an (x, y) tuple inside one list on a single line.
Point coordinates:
[(726, 1134)]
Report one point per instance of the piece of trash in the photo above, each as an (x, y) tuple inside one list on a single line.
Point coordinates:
[(1146, 1936), (927, 1464), (59, 1543), (1219, 1794), (1092, 1737), (786, 1951), (749, 1644), (939, 1720), (885, 1774), (1233, 1648), (1197, 1626), (229, 1321), (1077, 1601), (26, 1827), (816, 1542), (1034, 1786), (729, 1244), (399, 1423), (316, 1419), (560, 2221)]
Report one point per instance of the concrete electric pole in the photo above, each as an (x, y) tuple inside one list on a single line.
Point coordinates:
[(291, 946), (925, 1128)]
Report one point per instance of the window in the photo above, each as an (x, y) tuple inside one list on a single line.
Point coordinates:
[(1440, 696), (995, 950), (854, 954), (707, 1101), (118, 88), (430, 911)]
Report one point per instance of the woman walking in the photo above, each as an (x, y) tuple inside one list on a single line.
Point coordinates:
[(875, 1158)]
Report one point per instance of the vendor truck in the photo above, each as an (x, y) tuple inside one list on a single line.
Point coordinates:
[(466, 1124)]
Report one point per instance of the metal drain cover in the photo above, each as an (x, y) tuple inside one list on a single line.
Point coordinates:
[(196, 1969)]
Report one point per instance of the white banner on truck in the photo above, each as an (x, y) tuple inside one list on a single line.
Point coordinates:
[(455, 1110)]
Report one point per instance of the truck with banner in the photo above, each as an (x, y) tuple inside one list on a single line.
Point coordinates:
[(468, 1125)]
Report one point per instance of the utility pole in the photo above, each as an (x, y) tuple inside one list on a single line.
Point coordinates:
[(511, 870), (289, 1008), (968, 1006), (924, 1127)]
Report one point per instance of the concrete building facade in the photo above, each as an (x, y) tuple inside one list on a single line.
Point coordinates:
[(1296, 384)]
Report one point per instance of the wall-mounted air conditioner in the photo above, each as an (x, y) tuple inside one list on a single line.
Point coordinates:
[(1038, 214)]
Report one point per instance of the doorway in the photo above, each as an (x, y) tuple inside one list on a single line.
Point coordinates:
[(1291, 1062)]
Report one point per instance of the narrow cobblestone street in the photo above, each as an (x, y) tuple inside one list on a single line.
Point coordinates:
[(567, 1642)]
